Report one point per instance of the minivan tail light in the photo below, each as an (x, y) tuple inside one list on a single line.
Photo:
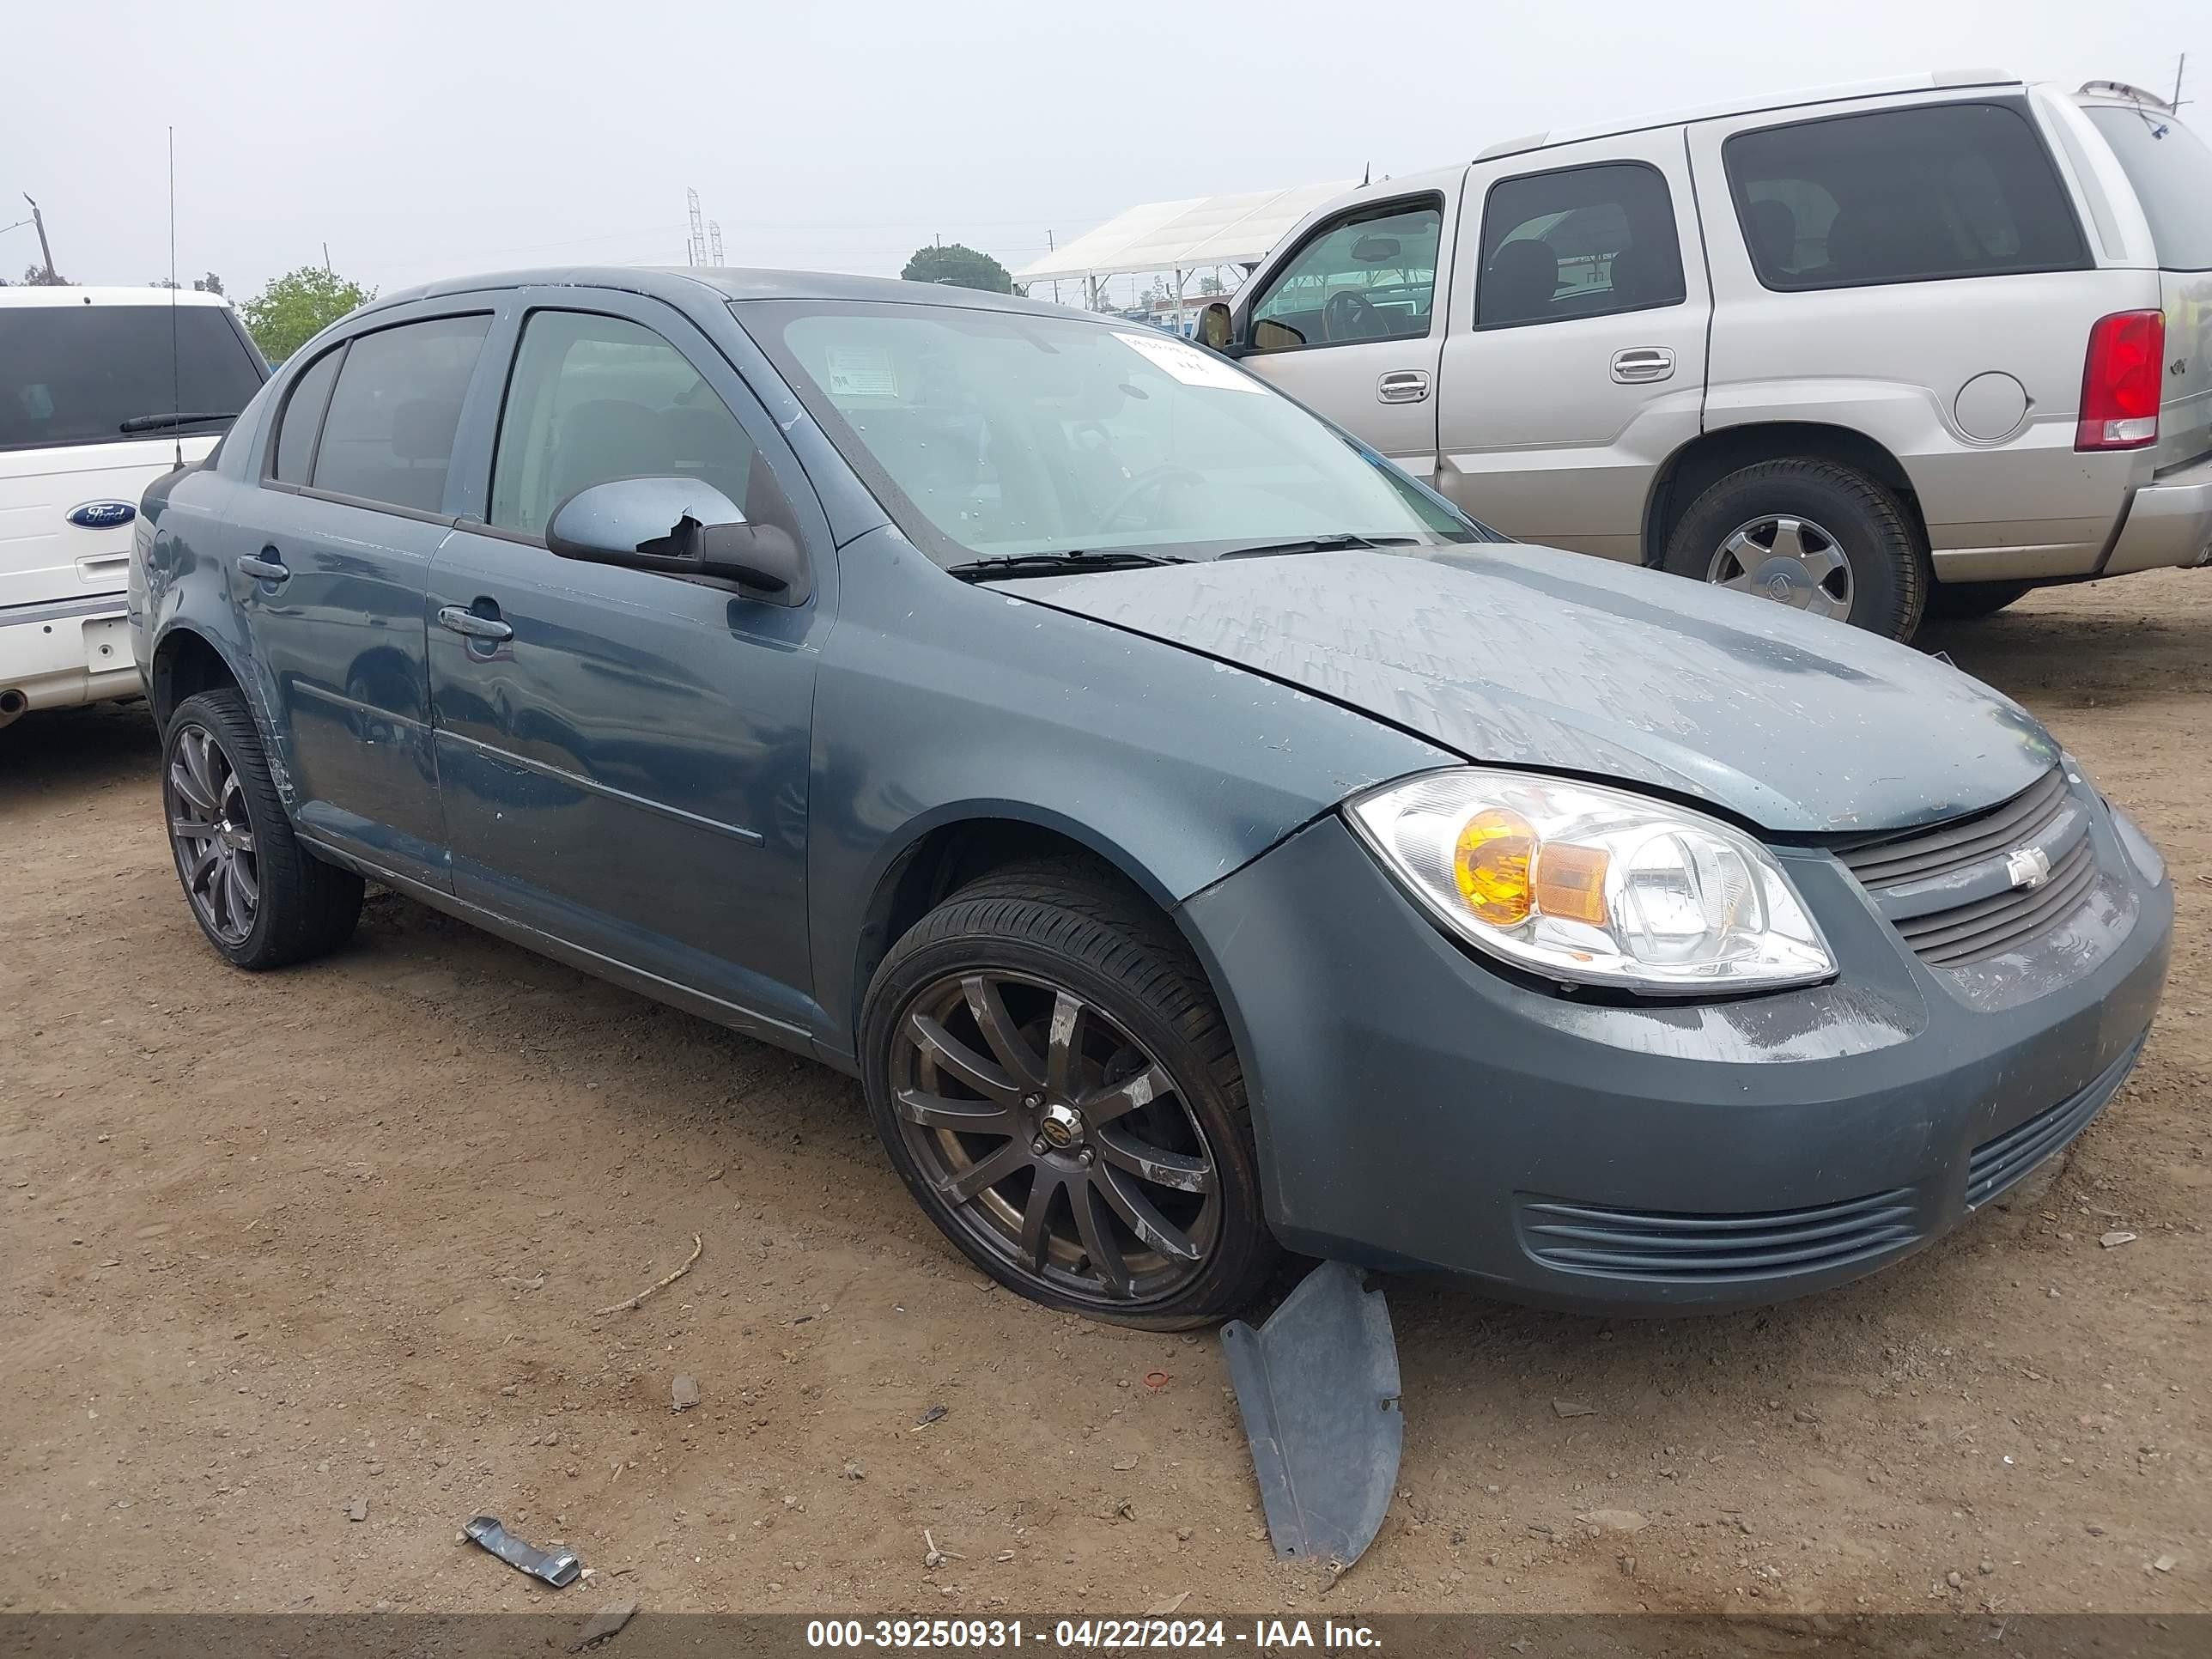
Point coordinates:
[(2120, 381)]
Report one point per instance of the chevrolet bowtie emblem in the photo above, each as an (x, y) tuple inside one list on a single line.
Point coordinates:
[(2029, 868)]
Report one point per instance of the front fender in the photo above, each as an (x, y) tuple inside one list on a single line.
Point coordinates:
[(941, 702)]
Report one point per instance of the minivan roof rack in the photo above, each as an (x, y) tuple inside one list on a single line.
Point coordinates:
[(2122, 89), (1939, 80)]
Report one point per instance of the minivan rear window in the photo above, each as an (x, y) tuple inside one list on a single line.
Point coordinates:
[(74, 373), (2171, 171), (1912, 195)]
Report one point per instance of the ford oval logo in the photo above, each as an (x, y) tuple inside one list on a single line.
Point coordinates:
[(102, 515)]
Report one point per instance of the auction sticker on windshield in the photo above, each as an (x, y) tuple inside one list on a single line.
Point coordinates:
[(1187, 363), (857, 373)]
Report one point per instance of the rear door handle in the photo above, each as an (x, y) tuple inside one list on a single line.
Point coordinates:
[(266, 566), (1642, 363), (474, 626), (1405, 386)]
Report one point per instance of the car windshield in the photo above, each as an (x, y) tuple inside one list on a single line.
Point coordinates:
[(993, 435)]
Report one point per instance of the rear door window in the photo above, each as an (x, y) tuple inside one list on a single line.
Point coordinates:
[(74, 373), (1577, 242), (2171, 171), (303, 418), (1901, 195), (388, 436)]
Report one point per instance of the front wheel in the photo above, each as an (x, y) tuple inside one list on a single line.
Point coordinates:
[(261, 898), (1815, 535), (1051, 1076)]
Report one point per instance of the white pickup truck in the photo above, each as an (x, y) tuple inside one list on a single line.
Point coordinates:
[(101, 390)]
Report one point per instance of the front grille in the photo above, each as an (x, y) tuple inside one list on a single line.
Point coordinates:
[(1997, 1165), (1945, 934), (1663, 1245)]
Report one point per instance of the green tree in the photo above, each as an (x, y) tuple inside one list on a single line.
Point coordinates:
[(36, 275), (961, 267), (297, 306), (210, 283)]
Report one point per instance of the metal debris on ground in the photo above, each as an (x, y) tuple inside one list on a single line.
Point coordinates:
[(684, 1392), (603, 1624), (2113, 1240), (698, 1244), (558, 1568), (1573, 1408), (1157, 1380), (357, 1509), (929, 1416)]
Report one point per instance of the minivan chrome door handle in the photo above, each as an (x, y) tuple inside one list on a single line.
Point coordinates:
[(263, 567), (1642, 363), (475, 626), (1405, 386)]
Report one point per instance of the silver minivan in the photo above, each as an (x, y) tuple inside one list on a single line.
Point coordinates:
[(1907, 347)]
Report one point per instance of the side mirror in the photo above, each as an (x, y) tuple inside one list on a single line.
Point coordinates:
[(1214, 325), (678, 527)]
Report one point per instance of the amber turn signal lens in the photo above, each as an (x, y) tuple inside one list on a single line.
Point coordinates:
[(1490, 866), (1569, 882)]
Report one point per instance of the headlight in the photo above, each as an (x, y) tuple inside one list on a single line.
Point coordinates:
[(1594, 885)]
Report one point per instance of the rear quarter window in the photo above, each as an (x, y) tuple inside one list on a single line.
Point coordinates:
[(2171, 169), (1913, 195)]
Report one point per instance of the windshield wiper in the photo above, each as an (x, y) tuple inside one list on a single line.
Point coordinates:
[(1340, 543), (184, 417), (1061, 563)]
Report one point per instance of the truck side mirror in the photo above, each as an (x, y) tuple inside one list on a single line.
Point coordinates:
[(1213, 326)]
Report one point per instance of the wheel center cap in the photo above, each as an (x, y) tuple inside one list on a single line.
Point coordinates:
[(1060, 1126), (1785, 580)]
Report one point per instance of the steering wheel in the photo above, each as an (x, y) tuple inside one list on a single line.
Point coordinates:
[(1348, 314), (1152, 478)]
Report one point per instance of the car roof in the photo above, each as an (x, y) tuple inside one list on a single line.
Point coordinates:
[(1939, 80), (683, 281), (38, 294)]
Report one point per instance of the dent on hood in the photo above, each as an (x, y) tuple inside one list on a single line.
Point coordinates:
[(1524, 656)]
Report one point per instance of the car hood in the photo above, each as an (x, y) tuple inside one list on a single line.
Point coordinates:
[(1523, 656)]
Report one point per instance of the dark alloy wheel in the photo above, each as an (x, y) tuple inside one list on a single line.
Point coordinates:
[(1065, 1147), (261, 898), (1052, 1077)]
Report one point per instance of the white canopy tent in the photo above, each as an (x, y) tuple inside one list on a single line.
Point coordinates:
[(1182, 236)]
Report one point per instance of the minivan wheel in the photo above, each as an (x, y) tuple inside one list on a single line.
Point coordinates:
[(1051, 1075), (261, 897), (1822, 537)]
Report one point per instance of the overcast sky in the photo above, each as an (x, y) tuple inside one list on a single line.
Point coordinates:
[(424, 140)]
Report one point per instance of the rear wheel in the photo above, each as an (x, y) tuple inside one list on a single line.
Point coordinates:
[(1963, 601), (1812, 534), (261, 897), (1052, 1077)]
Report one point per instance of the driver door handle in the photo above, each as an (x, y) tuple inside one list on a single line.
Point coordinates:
[(476, 627), (266, 566), (1642, 363), (1405, 386)]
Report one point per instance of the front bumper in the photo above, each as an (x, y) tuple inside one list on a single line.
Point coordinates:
[(2168, 523), (1417, 1109), (70, 652)]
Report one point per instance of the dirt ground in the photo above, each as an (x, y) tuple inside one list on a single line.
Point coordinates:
[(270, 1245)]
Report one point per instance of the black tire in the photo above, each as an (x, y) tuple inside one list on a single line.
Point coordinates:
[(1041, 935), (1887, 573), (1964, 601), (300, 907)]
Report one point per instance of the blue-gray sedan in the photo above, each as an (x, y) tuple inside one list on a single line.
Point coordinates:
[(1199, 837)]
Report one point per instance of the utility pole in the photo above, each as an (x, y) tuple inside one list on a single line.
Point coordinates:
[(2178, 67), (1051, 246), (45, 253), (326, 259)]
